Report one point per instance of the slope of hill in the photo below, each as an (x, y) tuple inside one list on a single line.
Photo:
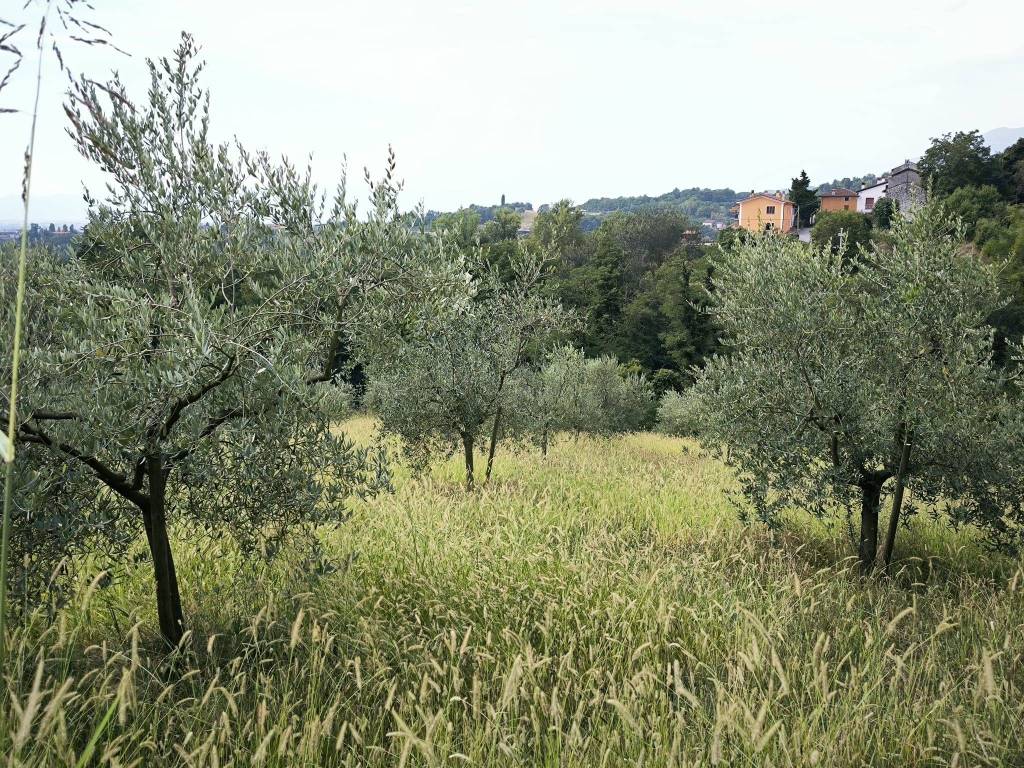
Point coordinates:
[(696, 202), (848, 182), (602, 605), (998, 139), (485, 212)]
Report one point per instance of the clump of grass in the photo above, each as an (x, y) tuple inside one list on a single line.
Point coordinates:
[(600, 607)]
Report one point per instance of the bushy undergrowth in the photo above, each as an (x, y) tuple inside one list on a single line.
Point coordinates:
[(599, 607)]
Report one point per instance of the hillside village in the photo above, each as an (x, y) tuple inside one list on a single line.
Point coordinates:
[(719, 210), (715, 210), (774, 211)]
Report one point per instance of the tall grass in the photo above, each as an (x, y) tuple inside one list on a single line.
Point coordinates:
[(79, 29), (8, 442), (600, 608)]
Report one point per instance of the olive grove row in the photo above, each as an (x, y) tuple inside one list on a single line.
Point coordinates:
[(186, 366)]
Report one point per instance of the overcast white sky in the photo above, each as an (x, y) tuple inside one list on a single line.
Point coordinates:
[(541, 100)]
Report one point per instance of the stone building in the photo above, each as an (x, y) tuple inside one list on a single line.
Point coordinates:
[(904, 186)]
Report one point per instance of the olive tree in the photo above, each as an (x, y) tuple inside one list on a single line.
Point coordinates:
[(677, 414), (446, 381), (846, 377), (181, 364), (553, 393), (614, 398), (569, 393)]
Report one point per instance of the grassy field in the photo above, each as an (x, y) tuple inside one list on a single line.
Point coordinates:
[(602, 607)]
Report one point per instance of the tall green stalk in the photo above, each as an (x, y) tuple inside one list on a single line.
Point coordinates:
[(12, 417)]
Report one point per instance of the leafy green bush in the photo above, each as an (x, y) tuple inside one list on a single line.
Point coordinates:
[(973, 204), (884, 211)]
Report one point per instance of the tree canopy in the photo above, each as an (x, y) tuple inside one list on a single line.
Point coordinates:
[(841, 231), (446, 380), (960, 159), (805, 198), (181, 364), (639, 283), (1012, 166), (845, 378)]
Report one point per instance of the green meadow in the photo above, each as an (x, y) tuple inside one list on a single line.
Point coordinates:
[(602, 606)]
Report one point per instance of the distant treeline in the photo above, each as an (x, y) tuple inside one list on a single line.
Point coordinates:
[(848, 182), (698, 203), (52, 236), (636, 283), (485, 212)]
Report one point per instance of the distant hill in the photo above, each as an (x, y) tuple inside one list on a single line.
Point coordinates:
[(699, 203), (999, 139), (850, 182), (486, 212)]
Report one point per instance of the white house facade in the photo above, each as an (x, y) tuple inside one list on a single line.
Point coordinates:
[(868, 196)]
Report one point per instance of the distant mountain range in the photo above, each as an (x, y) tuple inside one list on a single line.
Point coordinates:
[(999, 139)]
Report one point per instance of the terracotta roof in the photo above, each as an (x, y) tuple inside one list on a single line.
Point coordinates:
[(838, 192), (770, 196)]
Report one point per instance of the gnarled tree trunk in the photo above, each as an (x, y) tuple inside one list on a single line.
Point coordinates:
[(897, 498)]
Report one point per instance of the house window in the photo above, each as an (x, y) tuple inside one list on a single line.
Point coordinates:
[(869, 204), (846, 199), (770, 210), (846, 207)]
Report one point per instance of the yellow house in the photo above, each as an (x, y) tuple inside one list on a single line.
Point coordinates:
[(763, 212), (839, 199)]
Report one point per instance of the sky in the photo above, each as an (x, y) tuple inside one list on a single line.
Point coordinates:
[(546, 100)]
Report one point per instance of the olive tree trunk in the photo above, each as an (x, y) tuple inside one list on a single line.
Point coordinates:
[(897, 499), (168, 599), (467, 448), (871, 493)]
